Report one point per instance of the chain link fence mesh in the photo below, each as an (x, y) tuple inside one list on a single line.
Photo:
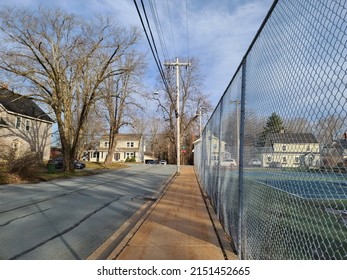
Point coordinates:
[(273, 156)]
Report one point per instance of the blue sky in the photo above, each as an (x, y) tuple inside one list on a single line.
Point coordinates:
[(218, 31)]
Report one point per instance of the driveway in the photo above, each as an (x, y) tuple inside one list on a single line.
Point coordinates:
[(70, 218)]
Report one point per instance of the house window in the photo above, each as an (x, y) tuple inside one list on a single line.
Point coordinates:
[(130, 144), (129, 154), (27, 125), (214, 157), (269, 159), (106, 144), (296, 159), (284, 159), (308, 149), (18, 122), (116, 156), (284, 148)]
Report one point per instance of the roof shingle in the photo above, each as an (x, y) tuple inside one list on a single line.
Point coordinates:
[(21, 104), (291, 138)]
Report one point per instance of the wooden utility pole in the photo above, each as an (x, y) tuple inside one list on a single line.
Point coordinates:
[(177, 64)]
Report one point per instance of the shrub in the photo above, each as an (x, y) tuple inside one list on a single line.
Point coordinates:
[(26, 166), (15, 168), (132, 159)]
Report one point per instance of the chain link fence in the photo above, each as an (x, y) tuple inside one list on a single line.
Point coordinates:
[(273, 156)]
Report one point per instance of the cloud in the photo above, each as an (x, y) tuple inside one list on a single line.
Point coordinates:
[(221, 37), (219, 31)]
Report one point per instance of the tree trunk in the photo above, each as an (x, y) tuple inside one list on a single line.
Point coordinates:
[(111, 146)]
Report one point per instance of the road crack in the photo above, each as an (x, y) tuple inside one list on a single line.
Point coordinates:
[(22, 217), (65, 231)]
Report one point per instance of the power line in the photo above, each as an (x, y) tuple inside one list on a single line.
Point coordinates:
[(160, 34), (150, 31), (159, 29), (172, 34), (152, 47)]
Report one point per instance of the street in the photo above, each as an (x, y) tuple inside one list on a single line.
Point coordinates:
[(70, 218)]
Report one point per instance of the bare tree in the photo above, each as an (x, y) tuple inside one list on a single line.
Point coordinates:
[(121, 98), (157, 138), (299, 125), (64, 59), (328, 129), (94, 130)]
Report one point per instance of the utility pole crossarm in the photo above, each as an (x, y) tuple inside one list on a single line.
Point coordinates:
[(177, 63)]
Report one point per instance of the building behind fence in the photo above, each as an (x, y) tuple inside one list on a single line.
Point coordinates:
[(273, 156)]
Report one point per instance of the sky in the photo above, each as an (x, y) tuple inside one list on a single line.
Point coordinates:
[(217, 32)]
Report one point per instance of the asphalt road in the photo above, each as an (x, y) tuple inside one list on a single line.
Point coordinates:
[(68, 219)]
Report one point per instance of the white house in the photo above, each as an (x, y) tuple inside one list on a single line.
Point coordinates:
[(24, 126), (127, 146), (291, 150), (216, 148)]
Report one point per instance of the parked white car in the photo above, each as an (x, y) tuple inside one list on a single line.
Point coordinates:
[(228, 163)]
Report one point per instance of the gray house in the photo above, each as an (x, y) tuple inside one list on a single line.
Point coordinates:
[(24, 126)]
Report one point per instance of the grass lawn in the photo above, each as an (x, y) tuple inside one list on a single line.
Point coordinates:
[(41, 173)]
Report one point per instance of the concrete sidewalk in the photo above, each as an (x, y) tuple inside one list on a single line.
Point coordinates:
[(178, 226)]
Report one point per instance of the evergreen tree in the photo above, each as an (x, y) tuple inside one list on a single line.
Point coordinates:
[(274, 124)]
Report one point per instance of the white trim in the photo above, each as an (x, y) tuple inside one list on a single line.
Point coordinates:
[(25, 116)]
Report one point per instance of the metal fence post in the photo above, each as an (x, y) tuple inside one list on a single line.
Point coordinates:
[(219, 158), (241, 156)]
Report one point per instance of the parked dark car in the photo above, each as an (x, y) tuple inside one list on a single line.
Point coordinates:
[(79, 165), (151, 162), (58, 163), (275, 164)]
